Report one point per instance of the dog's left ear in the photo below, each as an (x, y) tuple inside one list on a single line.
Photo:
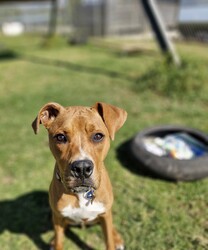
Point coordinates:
[(112, 116)]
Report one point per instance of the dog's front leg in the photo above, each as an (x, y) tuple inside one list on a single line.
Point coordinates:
[(107, 226), (113, 239), (57, 243)]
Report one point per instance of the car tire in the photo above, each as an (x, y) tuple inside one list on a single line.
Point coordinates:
[(167, 167)]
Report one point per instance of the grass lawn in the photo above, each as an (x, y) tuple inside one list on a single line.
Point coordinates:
[(151, 214)]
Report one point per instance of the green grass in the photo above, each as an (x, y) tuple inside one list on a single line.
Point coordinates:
[(151, 214)]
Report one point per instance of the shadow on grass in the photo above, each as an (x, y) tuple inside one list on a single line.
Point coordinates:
[(75, 67), (11, 55), (8, 55), (30, 215), (140, 83), (127, 159)]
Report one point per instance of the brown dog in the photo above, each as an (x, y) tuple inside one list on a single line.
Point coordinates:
[(80, 191)]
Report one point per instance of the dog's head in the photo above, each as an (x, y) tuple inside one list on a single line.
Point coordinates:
[(79, 138)]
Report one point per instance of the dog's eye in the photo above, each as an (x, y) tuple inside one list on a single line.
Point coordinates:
[(97, 137), (60, 138)]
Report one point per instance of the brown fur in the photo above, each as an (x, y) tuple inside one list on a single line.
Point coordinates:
[(79, 124)]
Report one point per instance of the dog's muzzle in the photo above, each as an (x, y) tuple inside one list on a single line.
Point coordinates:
[(82, 169), (78, 177)]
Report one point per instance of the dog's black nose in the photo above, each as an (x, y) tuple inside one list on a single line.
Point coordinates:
[(82, 169)]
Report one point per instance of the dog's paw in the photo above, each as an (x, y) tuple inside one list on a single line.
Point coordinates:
[(120, 247)]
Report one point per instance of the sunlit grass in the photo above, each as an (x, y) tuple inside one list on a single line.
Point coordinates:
[(150, 213)]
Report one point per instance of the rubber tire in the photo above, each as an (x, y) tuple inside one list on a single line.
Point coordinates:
[(164, 166)]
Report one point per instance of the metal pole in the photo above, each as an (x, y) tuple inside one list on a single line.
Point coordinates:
[(53, 18), (158, 27)]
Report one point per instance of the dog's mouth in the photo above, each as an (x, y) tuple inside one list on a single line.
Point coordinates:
[(79, 185), (81, 189)]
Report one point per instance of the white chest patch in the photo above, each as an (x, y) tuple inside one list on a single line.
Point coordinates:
[(86, 210)]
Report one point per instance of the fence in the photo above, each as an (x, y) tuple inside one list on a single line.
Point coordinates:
[(34, 16), (108, 17)]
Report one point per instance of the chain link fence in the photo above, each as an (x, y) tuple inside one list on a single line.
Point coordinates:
[(186, 18)]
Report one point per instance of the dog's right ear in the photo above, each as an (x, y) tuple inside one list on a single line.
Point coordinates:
[(46, 115)]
